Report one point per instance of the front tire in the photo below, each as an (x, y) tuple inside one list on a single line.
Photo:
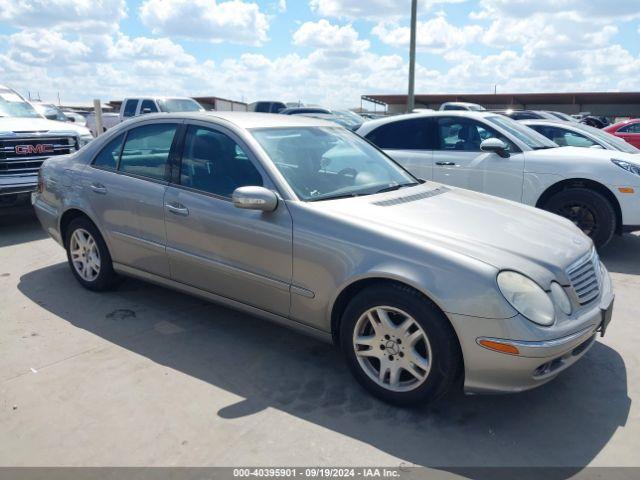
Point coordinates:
[(88, 256), (589, 210), (399, 345)]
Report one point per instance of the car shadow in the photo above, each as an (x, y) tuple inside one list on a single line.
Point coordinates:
[(622, 255), (19, 224), (564, 423)]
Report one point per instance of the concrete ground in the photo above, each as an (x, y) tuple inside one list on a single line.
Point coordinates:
[(146, 376)]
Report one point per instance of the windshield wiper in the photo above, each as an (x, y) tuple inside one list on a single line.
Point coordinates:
[(334, 197), (395, 187), (543, 147)]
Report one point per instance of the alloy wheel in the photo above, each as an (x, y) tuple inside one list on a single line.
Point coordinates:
[(392, 349), (582, 216), (85, 255)]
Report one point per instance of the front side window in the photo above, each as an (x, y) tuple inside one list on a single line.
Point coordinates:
[(526, 135), (130, 108), (146, 151), (149, 105), (109, 155), (214, 163), (322, 163), (465, 135), (410, 134)]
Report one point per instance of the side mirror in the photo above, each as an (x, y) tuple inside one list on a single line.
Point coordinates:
[(495, 145), (71, 119), (145, 111), (255, 198)]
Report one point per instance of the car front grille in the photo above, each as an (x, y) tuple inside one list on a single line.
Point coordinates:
[(585, 278), (24, 155)]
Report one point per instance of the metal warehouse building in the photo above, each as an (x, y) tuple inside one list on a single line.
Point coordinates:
[(610, 104)]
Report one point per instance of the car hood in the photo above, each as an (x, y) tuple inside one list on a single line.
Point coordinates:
[(19, 124), (581, 153), (504, 234)]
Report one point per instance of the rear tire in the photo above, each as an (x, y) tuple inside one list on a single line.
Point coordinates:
[(420, 365), (589, 210), (88, 256)]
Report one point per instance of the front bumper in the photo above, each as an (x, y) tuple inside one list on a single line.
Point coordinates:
[(543, 352), (11, 185)]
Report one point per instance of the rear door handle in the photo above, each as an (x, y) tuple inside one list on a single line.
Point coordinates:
[(177, 209), (446, 164), (99, 188)]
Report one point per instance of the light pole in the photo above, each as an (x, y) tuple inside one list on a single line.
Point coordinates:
[(411, 100)]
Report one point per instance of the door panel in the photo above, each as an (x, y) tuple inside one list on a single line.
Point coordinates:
[(459, 161), (244, 255)]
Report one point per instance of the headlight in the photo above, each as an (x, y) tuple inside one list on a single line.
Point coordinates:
[(527, 297), (84, 139), (560, 298), (629, 167)]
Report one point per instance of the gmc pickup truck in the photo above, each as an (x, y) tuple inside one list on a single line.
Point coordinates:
[(26, 140), (132, 107)]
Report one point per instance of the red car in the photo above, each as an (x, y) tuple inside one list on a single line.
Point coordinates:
[(628, 130)]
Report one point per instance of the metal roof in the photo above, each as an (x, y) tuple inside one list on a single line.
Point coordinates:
[(570, 98)]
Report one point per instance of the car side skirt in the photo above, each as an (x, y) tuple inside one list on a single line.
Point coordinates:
[(212, 297)]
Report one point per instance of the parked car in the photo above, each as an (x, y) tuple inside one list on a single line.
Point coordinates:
[(573, 134), (463, 106), (593, 120), (50, 111), (629, 131), (76, 116), (305, 110), (267, 107), (482, 151), (563, 116), (526, 114), (109, 120), (305, 223), (26, 140)]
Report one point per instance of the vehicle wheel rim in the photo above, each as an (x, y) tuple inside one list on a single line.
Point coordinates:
[(392, 349), (582, 216), (85, 255)]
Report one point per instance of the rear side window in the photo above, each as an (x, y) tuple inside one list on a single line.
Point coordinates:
[(632, 128), (146, 150), (130, 108), (148, 104), (108, 156), (414, 134)]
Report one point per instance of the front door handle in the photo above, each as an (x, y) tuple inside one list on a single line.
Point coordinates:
[(177, 209), (446, 164), (99, 188)]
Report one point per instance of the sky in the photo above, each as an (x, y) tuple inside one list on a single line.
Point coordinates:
[(327, 52)]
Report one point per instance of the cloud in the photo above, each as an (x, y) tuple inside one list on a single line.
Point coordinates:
[(232, 21), (434, 35), (323, 34), (372, 9), (72, 15)]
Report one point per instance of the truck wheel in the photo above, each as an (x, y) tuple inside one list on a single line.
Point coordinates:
[(399, 345), (589, 210), (88, 256)]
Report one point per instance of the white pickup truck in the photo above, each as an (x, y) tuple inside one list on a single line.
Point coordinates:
[(26, 140), (132, 107)]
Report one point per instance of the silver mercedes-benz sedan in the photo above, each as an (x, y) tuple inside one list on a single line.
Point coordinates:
[(423, 286)]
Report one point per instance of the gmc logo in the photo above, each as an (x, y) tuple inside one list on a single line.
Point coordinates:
[(34, 149)]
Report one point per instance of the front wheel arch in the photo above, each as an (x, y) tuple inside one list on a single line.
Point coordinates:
[(588, 184)]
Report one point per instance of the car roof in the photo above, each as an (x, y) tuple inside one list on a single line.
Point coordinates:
[(372, 124), (243, 120)]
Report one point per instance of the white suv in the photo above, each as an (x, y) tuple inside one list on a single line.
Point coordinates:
[(598, 190)]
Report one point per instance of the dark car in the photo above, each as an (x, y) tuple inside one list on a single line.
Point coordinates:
[(267, 107), (305, 110), (527, 114)]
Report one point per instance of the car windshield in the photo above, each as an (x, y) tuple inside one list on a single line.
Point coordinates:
[(526, 135), (323, 163), (174, 105), (12, 105), (616, 142)]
